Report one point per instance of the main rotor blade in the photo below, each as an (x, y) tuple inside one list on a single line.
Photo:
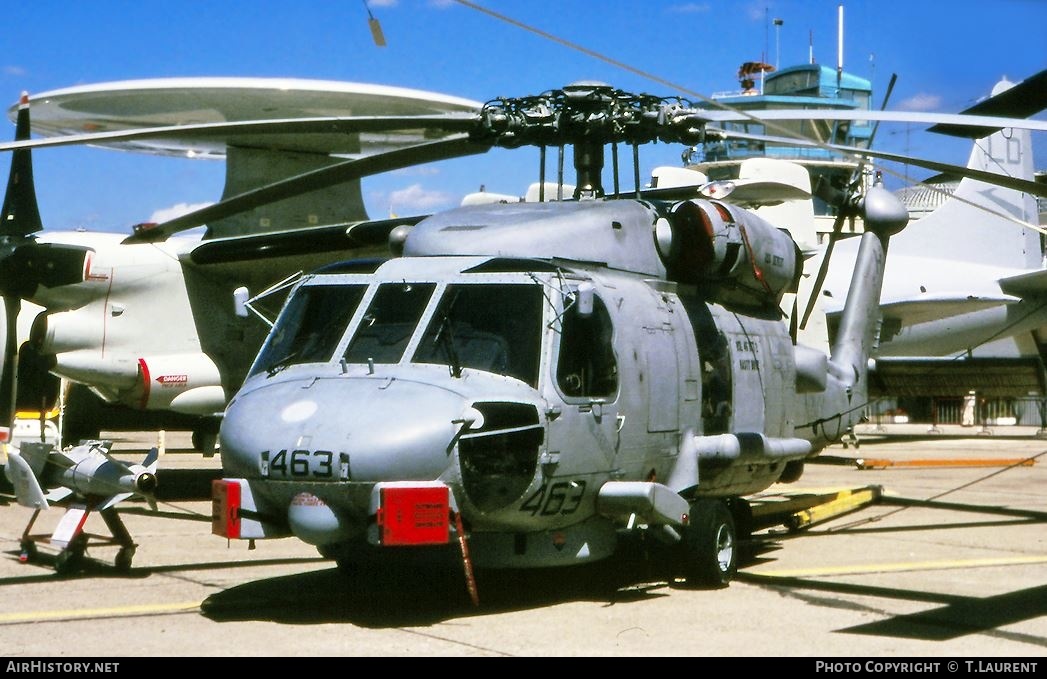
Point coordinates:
[(989, 122), (1024, 185), (305, 241), (454, 147), (450, 122)]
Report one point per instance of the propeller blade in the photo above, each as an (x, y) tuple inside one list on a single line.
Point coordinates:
[(33, 264), (25, 263), (9, 378), (21, 215), (452, 147)]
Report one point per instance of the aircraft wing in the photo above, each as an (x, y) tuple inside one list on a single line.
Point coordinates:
[(934, 307), (1031, 284)]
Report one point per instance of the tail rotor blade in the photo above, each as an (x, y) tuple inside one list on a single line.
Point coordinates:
[(823, 269)]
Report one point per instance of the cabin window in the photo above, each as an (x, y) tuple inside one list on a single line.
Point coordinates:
[(586, 366), (310, 326), (491, 327), (389, 322)]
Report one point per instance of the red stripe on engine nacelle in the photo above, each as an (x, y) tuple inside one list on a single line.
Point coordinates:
[(143, 369)]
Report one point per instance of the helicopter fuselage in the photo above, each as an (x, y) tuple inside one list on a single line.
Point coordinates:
[(546, 402)]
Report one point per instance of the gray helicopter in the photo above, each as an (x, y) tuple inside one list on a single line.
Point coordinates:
[(533, 380)]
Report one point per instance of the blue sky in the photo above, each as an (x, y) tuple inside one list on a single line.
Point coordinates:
[(947, 55)]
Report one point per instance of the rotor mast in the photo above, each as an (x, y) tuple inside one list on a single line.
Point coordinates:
[(587, 116)]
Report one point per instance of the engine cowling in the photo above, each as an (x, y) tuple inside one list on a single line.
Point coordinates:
[(734, 256), (186, 383), (65, 331)]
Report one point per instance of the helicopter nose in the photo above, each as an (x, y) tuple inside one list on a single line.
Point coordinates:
[(342, 429)]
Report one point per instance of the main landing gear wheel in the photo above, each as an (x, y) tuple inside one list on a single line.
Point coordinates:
[(205, 442), (709, 548), (71, 559), (124, 558), (28, 552)]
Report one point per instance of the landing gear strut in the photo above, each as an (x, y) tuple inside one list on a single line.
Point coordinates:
[(71, 558)]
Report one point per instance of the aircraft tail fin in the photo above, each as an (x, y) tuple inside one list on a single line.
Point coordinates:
[(151, 459), (982, 223), (1020, 101)]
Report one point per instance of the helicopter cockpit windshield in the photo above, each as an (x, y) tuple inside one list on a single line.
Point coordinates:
[(494, 327), (310, 326)]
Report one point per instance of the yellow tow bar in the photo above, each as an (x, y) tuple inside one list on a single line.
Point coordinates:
[(804, 510)]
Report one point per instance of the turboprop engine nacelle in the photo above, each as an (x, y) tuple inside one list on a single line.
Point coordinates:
[(185, 383), (55, 333), (738, 258)]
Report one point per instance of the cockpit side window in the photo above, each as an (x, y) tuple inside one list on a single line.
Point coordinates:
[(310, 326), (389, 322), (496, 328), (586, 365)]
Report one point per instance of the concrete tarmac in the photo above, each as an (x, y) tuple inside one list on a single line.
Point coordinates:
[(951, 563)]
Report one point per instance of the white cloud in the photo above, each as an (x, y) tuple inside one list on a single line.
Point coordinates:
[(922, 102), (415, 197), (382, 3), (166, 213), (14, 70), (756, 11), (422, 170), (690, 8)]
